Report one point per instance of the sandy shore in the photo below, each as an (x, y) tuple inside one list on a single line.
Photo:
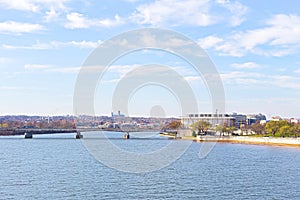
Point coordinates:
[(291, 142)]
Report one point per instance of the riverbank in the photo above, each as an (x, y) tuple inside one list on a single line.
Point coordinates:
[(291, 142)]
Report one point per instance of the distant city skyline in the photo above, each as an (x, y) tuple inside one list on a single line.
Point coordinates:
[(255, 47)]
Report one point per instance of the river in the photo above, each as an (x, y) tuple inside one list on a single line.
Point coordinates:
[(60, 167)]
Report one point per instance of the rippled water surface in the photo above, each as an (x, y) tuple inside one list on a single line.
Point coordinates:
[(59, 167)]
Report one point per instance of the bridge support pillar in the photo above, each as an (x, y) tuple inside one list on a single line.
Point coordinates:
[(126, 136), (27, 135), (78, 135)]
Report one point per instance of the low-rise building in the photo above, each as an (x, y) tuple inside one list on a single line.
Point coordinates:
[(276, 118), (240, 120), (213, 119), (234, 119), (294, 121), (253, 118)]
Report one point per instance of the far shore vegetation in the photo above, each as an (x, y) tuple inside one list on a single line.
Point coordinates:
[(280, 128)]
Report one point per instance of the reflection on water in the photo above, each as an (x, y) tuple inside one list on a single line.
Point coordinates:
[(62, 168)]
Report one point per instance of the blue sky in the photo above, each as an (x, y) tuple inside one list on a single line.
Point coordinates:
[(255, 46)]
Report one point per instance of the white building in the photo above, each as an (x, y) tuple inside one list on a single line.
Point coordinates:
[(294, 121), (213, 119)]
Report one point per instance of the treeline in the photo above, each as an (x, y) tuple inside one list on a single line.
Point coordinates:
[(201, 127), (58, 124), (272, 128), (276, 129)]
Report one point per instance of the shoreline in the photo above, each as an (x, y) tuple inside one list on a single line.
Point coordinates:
[(269, 141)]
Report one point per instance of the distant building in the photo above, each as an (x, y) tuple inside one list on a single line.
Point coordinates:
[(120, 118), (213, 119), (276, 118), (294, 121), (240, 120), (234, 119), (262, 122), (253, 118)]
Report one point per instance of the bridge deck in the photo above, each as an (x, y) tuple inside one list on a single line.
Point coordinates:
[(21, 131)]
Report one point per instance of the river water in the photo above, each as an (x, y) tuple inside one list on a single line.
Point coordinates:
[(60, 167)]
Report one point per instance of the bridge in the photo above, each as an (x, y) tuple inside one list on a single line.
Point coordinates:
[(28, 132)]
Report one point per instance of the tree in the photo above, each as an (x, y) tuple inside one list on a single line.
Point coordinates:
[(285, 130), (273, 127), (200, 126), (231, 129), (257, 128), (219, 129), (174, 125), (243, 129), (296, 130), (225, 129)]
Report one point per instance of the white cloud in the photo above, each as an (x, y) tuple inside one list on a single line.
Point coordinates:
[(282, 69), (227, 46), (78, 44), (51, 15), (132, 1), (4, 60), (231, 48), (76, 20), (261, 80), (9, 88), (50, 68), (37, 46), (175, 12), (236, 9), (79, 21), (33, 5), (50, 8), (209, 42), (238, 77), (280, 37), (45, 68), (287, 81), (20, 5), (121, 69), (247, 65), (297, 71), (36, 66), (66, 70), (18, 27), (189, 12), (193, 78), (56, 44), (281, 30)]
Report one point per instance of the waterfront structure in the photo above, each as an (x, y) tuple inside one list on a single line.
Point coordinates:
[(234, 119), (213, 119)]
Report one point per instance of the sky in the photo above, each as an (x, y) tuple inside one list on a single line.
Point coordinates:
[(254, 45)]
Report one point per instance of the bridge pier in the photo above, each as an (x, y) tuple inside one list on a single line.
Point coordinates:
[(78, 135), (126, 136), (27, 135)]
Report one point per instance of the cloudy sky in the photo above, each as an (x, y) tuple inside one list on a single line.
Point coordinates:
[(255, 46)]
